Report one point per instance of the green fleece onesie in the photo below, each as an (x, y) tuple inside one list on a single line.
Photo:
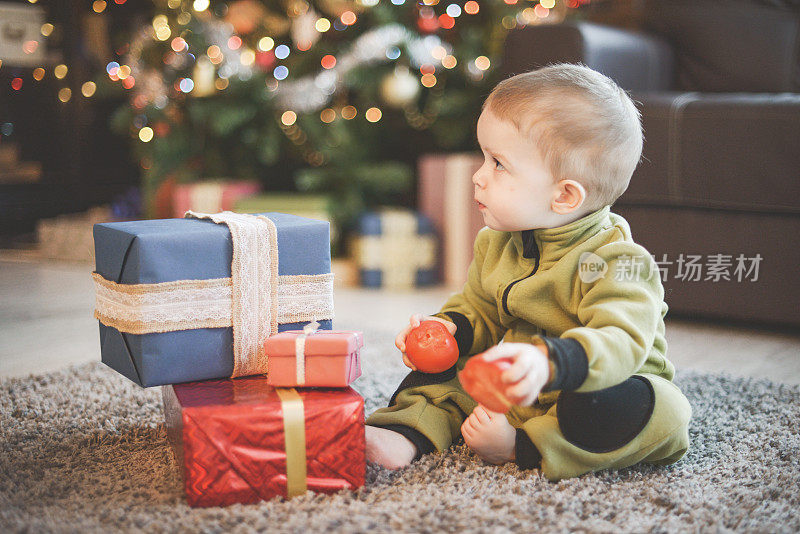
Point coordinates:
[(595, 299)]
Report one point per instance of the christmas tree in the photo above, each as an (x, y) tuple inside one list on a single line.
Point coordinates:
[(335, 96)]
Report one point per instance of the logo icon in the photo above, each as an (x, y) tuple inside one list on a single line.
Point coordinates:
[(591, 267)]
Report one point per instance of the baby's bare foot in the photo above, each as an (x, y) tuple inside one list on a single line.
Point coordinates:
[(388, 448), (490, 435)]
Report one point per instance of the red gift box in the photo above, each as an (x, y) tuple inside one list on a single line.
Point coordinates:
[(240, 440), (323, 359)]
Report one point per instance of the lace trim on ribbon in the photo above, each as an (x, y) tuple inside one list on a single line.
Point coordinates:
[(190, 304), (254, 286)]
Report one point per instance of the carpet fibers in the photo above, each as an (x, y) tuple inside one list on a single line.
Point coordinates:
[(85, 450)]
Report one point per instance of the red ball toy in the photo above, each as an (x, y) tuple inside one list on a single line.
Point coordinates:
[(483, 381), (431, 347)]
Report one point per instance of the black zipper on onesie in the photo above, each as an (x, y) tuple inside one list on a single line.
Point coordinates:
[(529, 250)]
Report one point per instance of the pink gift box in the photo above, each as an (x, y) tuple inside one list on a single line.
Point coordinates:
[(331, 359)]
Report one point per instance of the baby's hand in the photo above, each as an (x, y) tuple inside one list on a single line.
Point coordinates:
[(400, 340), (528, 374)]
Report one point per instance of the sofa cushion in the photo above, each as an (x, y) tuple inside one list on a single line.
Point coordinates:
[(726, 151), (637, 62), (730, 45)]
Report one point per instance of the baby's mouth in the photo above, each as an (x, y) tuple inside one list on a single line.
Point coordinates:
[(480, 206)]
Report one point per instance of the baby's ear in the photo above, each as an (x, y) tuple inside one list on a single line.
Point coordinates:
[(570, 196)]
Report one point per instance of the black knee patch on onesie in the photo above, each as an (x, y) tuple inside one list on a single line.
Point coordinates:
[(418, 378), (605, 420)]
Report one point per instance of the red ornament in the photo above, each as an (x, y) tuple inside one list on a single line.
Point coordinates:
[(482, 380), (265, 60), (431, 347)]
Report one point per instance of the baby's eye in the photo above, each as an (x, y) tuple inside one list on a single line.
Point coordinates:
[(498, 165)]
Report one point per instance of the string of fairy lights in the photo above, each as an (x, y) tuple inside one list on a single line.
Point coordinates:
[(215, 65), (60, 71)]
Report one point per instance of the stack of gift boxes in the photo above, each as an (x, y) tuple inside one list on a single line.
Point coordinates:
[(231, 314)]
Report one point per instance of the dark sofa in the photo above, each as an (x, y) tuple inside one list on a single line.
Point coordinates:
[(718, 85)]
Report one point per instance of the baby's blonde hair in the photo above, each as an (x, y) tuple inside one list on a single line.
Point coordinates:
[(586, 127)]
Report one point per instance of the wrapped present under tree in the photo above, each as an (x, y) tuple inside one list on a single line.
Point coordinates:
[(446, 196), (241, 440), (313, 358), (190, 299), (395, 249)]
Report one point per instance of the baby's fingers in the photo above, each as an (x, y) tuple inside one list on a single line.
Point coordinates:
[(518, 370), (408, 363), (522, 393), (503, 350), (400, 341)]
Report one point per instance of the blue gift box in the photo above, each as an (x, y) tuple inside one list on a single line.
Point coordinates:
[(392, 252), (149, 252)]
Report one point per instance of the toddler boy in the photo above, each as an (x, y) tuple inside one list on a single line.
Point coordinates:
[(558, 285)]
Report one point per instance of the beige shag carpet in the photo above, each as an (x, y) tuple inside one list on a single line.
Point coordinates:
[(84, 450)]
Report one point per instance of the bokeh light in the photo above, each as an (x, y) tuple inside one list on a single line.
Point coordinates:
[(234, 42), (280, 72), (248, 57), (88, 89), (65, 94), (428, 80), (186, 85), (348, 18), (146, 134), (327, 115), (221, 83), (373, 114), (472, 7), (288, 118), (322, 25), (38, 74), (482, 62), (60, 71), (200, 5), (178, 44), (446, 21), (449, 62), (265, 44), (47, 29), (349, 112), (16, 84), (282, 51), (454, 10), (328, 61)]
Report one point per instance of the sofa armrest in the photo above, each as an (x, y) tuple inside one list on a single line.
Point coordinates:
[(636, 61)]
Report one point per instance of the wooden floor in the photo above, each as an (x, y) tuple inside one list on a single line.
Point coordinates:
[(46, 323)]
